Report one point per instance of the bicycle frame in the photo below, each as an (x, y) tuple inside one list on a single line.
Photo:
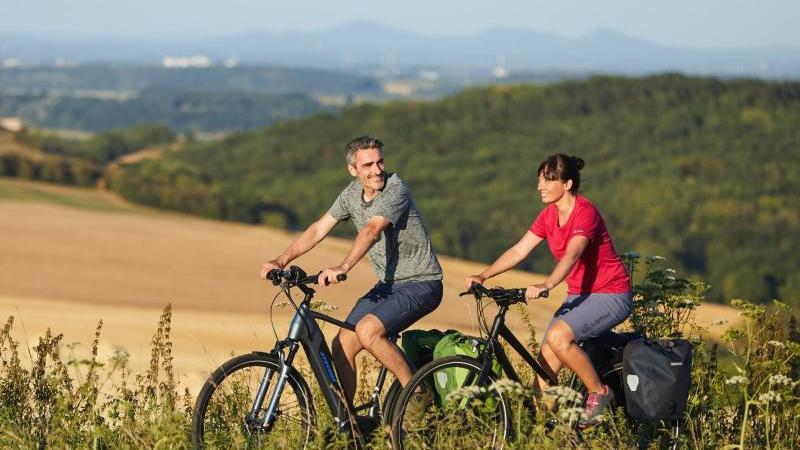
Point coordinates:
[(494, 349), (305, 332)]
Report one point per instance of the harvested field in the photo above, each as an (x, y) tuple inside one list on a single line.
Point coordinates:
[(70, 257)]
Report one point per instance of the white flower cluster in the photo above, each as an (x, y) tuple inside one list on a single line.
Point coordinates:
[(564, 395), (770, 397), (508, 386), (572, 414), (737, 379), (466, 392), (777, 344), (780, 380)]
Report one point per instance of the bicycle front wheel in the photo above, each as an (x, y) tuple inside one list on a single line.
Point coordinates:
[(444, 407), (222, 413)]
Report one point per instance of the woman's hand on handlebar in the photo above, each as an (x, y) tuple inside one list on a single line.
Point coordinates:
[(473, 279), (536, 291), (331, 275)]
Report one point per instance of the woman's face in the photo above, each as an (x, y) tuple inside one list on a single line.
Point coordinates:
[(552, 190)]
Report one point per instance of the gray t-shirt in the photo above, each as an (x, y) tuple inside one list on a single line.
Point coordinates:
[(403, 252)]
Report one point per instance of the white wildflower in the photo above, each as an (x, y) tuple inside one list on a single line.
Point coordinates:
[(465, 393), (776, 344), (506, 385), (572, 414), (737, 379), (780, 380), (770, 397), (564, 395)]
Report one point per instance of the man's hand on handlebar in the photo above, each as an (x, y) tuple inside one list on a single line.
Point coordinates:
[(270, 265), (473, 279), (331, 275), (536, 291)]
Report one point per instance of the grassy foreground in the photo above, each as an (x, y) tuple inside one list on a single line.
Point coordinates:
[(752, 401)]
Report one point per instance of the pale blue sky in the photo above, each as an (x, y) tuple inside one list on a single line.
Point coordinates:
[(687, 23)]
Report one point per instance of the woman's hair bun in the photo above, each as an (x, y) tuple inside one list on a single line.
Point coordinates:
[(578, 162)]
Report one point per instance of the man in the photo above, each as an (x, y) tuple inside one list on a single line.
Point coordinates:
[(391, 230)]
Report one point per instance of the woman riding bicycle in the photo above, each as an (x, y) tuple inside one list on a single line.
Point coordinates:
[(598, 287)]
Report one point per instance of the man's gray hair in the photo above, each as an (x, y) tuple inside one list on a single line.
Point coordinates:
[(361, 143)]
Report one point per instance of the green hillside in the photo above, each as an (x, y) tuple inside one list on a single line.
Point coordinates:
[(702, 171)]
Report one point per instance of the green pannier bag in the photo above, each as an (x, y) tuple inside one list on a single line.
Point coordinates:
[(418, 346), (456, 343)]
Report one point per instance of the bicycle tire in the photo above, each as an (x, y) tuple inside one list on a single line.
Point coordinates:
[(218, 419), (389, 402), (447, 421)]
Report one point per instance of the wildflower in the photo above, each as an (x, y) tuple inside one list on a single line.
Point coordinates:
[(736, 379), (776, 344), (770, 397), (780, 380), (564, 395), (505, 385), (465, 393), (573, 414)]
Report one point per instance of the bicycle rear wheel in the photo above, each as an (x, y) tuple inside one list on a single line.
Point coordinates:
[(460, 414), (220, 418)]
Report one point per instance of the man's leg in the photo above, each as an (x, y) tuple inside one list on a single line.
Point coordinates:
[(345, 348), (372, 336)]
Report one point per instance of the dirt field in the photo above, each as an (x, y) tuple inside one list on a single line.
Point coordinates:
[(69, 257)]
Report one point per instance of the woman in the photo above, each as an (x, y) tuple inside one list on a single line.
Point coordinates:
[(598, 287)]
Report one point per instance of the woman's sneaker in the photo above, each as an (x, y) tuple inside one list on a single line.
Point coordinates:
[(596, 405)]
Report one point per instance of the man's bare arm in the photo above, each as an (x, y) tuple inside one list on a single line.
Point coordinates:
[(366, 237), (302, 243)]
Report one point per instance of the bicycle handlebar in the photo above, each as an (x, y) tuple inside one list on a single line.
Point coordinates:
[(499, 294), (296, 276)]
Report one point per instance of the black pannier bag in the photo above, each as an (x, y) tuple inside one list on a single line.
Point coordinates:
[(656, 377)]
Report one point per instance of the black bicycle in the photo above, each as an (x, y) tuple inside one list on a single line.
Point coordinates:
[(465, 394), (261, 399)]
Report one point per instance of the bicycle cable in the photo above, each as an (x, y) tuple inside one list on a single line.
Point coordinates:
[(271, 319)]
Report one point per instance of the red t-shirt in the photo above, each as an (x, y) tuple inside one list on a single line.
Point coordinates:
[(599, 269)]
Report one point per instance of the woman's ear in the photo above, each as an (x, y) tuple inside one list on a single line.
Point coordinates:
[(568, 185)]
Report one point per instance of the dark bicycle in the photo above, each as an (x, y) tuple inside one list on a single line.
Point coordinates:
[(261, 399), (444, 419)]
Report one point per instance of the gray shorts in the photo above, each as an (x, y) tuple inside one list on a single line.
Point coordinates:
[(399, 305), (590, 315)]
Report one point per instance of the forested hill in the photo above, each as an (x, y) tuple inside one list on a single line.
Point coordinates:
[(702, 171)]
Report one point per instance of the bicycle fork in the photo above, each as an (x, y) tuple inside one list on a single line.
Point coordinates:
[(272, 408)]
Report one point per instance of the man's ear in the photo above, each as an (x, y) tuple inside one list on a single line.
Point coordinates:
[(352, 169)]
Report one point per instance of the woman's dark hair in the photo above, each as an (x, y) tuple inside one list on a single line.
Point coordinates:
[(562, 167)]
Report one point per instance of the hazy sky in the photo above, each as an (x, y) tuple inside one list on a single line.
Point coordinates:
[(690, 23)]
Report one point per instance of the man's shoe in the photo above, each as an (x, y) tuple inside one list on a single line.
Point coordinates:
[(596, 405), (416, 408)]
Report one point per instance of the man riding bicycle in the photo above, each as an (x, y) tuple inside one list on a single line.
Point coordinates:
[(392, 231)]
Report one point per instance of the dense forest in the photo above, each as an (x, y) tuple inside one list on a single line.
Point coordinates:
[(702, 171)]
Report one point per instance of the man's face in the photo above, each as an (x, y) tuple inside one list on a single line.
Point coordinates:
[(369, 168)]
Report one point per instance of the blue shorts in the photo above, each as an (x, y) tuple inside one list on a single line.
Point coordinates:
[(590, 315), (398, 305)]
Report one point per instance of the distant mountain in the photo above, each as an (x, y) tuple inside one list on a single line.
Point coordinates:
[(361, 45)]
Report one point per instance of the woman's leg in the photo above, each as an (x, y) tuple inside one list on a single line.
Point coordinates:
[(561, 342)]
